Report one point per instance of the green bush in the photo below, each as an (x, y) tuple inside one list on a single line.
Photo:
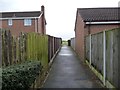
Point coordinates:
[(20, 75)]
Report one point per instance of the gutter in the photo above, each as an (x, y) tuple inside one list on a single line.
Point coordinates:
[(107, 22)]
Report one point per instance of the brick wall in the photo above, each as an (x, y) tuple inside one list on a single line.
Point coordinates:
[(39, 25), (98, 28), (81, 31), (18, 26), (79, 37)]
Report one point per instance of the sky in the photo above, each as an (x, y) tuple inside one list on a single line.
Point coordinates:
[(60, 14)]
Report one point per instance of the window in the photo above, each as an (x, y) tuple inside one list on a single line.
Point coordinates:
[(10, 22), (27, 22)]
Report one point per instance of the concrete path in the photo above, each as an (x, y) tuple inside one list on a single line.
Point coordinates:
[(69, 72)]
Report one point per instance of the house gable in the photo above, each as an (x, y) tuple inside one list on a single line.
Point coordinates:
[(79, 35), (93, 20), (29, 21)]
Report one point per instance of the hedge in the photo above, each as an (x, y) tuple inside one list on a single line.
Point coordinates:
[(20, 75)]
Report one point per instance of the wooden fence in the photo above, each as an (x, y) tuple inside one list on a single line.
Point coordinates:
[(102, 53), (29, 46), (13, 49), (53, 46), (72, 43), (0, 48)]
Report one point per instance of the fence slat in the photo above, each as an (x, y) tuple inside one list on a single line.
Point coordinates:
[(115, 58), (105, 54), (29, 46)]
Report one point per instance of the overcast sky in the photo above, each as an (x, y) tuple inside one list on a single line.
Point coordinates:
[(60, 14)]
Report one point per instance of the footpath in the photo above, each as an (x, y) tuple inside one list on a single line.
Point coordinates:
[(68, 71)]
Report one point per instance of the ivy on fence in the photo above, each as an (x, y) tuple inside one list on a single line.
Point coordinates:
[(13, 49), (28, 46)]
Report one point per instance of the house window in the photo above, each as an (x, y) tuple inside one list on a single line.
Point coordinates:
[(27, 22), (10, 22)]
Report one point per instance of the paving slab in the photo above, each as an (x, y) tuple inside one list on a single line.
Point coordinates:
[(68, 71)]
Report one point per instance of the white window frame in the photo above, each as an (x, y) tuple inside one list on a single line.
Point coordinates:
[(10, 22), (27, 22)]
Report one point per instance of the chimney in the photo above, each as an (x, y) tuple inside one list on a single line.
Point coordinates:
[(43, 20), (43, 9)]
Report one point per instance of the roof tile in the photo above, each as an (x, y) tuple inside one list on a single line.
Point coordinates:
[(100, 14), (21, 14)]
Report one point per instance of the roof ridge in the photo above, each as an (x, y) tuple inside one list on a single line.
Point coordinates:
[(100, 8), (19, 11), (21, 14)]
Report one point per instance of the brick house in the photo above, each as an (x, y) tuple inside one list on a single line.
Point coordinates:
[(91, 21), (30, 21)]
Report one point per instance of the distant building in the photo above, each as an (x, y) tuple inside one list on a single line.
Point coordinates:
[(93, 20), (30, 21)]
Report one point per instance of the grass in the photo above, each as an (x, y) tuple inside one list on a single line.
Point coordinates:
[(64, 42)]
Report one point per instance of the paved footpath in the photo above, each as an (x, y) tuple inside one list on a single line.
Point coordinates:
[(68, 71)]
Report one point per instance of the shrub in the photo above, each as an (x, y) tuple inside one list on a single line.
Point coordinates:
[(20, 75)]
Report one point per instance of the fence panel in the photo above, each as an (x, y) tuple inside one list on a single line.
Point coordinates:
[(99, 62), (37, 48), (112, 54), (29, 46), (87, 48), (109, 56), (0, 47), (73, 43), (115, 58), (13, 50), (94, 50), (49, 48), (7, 48), (118, 58)]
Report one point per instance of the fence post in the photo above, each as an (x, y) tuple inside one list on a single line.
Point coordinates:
[(90, 50), (104, 57), (53, 45), (119, 57)]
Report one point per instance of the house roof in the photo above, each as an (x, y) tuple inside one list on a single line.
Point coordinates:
[(21, 14), (100, 14)]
